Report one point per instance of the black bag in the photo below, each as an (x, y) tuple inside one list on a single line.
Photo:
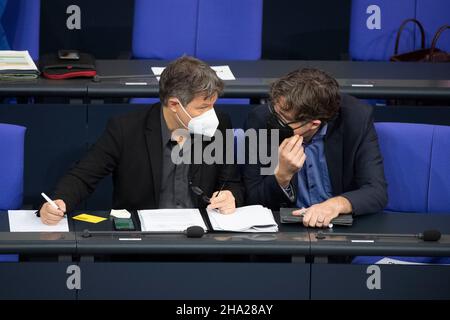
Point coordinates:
[(52, 67)]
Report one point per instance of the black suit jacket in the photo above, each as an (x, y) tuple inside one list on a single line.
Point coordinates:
[(353, 158), (131, 150)]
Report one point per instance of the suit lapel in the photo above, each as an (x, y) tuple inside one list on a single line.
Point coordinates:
[(334, 154), (154, 148)]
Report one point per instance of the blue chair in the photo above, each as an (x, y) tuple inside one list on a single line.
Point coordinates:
[(406, 150), (207, 29), (434, 14), (164, 29), (439, 186), (374, 25), (229, 30), (20, 21), (4, 45), (416, 162), (11, 170), (11, 166)]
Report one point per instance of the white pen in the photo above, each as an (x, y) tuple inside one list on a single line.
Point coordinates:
[(52, 203)]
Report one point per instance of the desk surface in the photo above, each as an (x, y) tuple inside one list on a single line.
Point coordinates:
[(291, 240), (390, 223), (35, 242), (362, 79)]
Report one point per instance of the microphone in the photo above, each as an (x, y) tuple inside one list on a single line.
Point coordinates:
[(98, 78), (190, 232), (430, 235), (427, 235), (194, 232)]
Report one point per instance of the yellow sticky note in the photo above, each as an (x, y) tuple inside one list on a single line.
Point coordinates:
[(89, 218)]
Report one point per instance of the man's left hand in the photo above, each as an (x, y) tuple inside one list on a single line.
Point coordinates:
[(321, 214)]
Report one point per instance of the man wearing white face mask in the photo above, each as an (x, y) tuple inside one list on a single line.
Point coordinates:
[(136, 148)]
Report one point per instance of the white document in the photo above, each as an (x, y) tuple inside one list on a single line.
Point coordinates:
[(223, 72), (26, 221), (246, 219), (387, 260), (16, 60), (176, 220)]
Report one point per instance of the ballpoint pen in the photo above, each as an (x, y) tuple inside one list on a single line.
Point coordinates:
[(52, 203)]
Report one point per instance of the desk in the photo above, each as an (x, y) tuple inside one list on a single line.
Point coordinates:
[(42, 271), (382, 80), (222, 266), (41, 87), (361, 79), (291, 264), (349, 281)]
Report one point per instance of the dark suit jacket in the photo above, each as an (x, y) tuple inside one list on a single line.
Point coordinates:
[(131, 150), (353, 157)]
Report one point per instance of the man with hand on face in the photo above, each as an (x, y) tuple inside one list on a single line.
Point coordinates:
[(136, 148), (329, 162)]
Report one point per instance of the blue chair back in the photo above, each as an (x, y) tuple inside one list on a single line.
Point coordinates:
[(439, 186), (164, 29), (11, 166), (416, 162), (21, 21), (207, 29), (374, 25), (229, 30), (433, 14), (4, 45)]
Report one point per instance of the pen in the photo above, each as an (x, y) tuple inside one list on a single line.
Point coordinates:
[(52, 203), (221, 188)]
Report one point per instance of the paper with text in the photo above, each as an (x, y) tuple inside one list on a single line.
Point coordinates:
[(26, 221), (223, 72), (177, 220), (246, 219)]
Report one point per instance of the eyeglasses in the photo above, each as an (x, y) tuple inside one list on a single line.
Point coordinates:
[(201, 194), (284, 123)]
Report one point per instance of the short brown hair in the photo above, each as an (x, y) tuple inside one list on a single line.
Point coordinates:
[(187, 77), (309, 94)]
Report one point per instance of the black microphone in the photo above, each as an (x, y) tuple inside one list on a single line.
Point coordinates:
[(430, 235), (98, 78), (190, 232), (194, 232), (427, 235)]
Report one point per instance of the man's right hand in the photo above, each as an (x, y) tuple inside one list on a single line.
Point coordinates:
[(50, 215), (291, 157)]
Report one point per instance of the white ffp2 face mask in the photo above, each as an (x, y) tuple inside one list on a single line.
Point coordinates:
[(205, 124)]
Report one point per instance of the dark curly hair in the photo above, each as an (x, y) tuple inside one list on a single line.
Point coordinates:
[(309, 94)]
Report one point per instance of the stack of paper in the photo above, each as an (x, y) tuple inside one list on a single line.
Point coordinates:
[(17, 65), (176, 220), (246, 219), (26, 221), (223, 72)]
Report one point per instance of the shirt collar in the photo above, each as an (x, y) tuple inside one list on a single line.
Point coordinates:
[(319, 135)]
